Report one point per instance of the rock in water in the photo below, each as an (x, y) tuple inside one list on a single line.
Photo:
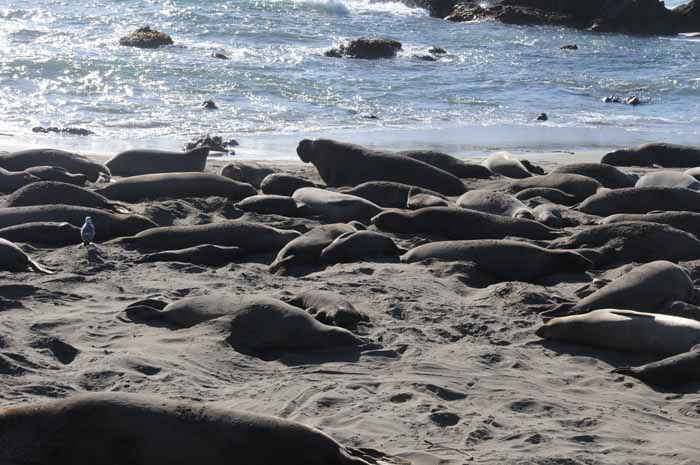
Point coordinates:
[(368, 48), (145, 37)]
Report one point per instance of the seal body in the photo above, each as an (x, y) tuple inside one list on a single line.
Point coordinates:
[(205, 255), (72, 162), (247, 172), (306, 249), (418, 201), (504, 164), (139, 162), (452, 165), (668, 373), (496, 203), (59, 193), (269, 205), (607, 175), (387, 194), (10, 182), (12, 258), (553, 195), (685, 221), (641, 200), (357, 245), (668, 179), (579, 186), (58, 174), (283, 184), (334, 206), (664, 155), (42, 234), (329, 308)]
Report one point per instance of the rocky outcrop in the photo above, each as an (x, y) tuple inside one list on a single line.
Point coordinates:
[(215, 144), (368, 48), (146, 37)]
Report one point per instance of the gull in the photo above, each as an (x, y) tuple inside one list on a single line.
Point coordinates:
[(87, 232)]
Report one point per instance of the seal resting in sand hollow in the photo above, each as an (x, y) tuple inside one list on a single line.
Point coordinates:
[(72, 162), (138, 162), (641, 200), (60, 193)]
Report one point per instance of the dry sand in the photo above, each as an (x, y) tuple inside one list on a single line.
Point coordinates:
[(461, 378)]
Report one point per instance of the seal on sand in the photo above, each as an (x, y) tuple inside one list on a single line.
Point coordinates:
[(452, 165), (269, 205), (553, 195), (56, 173), (496, 203), (685, 221), (306, 249), (668, 179), (579, 186), (10, 182), (387, 194), (204, 255), (283, 184), (60, 193), (329, 308), (607, 175), (502, 163), (664, 155), (670, 372), (641, 200), (72, 162), (334, 206), (42, 234), (138, 162), (12, 258), (357, 245), (248, 172)]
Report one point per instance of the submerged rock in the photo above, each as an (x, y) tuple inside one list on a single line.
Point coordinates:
[(367, 48), (215, 144), (145, 37), (70, 131)]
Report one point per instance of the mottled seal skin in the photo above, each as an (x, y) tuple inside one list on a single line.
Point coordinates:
[(504, 259), (387, 194), (355, 246), (204, 255), (626, 331), (553, 195), (329, 308), (550, 215), (10, 181), (306, 249), (452, 165), (459, 223), (607, 175), (58, 174), (60, 193), (649, 287), (685, 221), (72, 162), (496, 203), (108, 225), (269, 205), (341, 164), (12, 258), (668, 179), (119, 428), (418, 201), (248, 172), (502, 163), (43, 234), (140, 162), (283, 184), (641, 200), (251, 237), (663, 155), (579, 186), (670, 372), (176, 186), (334, 206)]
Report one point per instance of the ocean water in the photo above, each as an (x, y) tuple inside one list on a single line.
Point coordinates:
[(61, 65)]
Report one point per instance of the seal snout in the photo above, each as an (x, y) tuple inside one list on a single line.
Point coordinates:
[(305, 150), (542, 331)]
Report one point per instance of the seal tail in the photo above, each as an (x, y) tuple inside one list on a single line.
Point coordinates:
[(34, 266)]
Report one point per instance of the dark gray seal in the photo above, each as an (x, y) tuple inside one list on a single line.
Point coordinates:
[(329, 308), (663, 155), (669, 372), (579, 186), (306, 249), (248, 172), (341, 164), (60, 193), (72, 162), (553, 195), (58, 174), (334, 206), (269, 205), (387, 194), (283, 184), (418, 201), (452, 165), (139, 162), (175, 186), (503, 259), (607, 175), (502, 163), (496, 203), (668, 179), (685, 221), (11, 181), (43, 234), (12, 258), (641, 200), (459, 223), (204, 255), (355, 246)]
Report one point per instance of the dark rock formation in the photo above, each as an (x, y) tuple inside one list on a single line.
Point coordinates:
[(367, 48), (70, 131), (145, 37), (215, 144)]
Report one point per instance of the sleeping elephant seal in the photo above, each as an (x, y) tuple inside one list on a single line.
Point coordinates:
[(283, 184), (175, 186), (72, 162), (418, 201), (503, 259), (579, 186), (334, 206), (329, 308), (341, 164), (668, 373), (248, 172), (387, 194), (685, 221), (648, 287), (12, 258), (269, 205), (553, 195), (10, 181), (452, 165), (550, 215), (251, 237), (120, 428), (626, 331), (355, 246), (43, 234), (504, 164), (459, 223), (139, 162), (203, 255), (641, 200), (607, 175), (496, 203), (306, 249), (58, 174), (663, 155), (60, 193), (668, 179)]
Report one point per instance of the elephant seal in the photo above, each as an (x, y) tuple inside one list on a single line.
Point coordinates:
[(641, 200), (418, 201), (204, 255), (341, 164), (646, 288), (355, 246), (550, 215), (387, 194), (503, 259), (140, 162), (452, 165), (251, 237), (60, 193), (496, 203), (10, 181), (175, 186), (12, 258), (504, 164), (553, 195), (685, 221), (72, 162), (42, 234), (269, 205), (459, 223), (607, 175), (307, 248), (329, 308), (110, 428), (663, 155), (110, 225), (668, 373), (58, 174), (694, 172), (247, 172), (668, 179), (283, 184), (579, 186), (334, 206), (626, 331)]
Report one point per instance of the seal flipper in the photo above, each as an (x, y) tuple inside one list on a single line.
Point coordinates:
[(560, 310), (280, 265), (144, 311), (34, 266)]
